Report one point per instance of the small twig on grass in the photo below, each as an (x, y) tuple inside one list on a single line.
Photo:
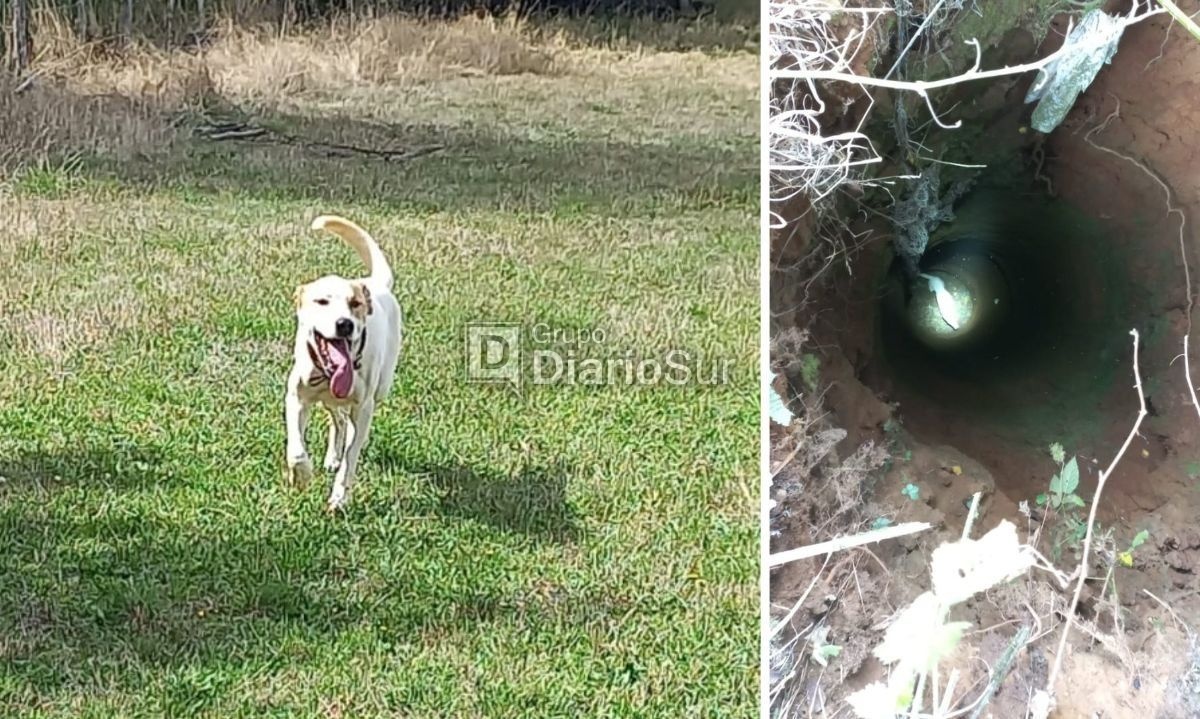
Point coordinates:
[(1091, 523), (235, 133), (238, 131), (841, 543)]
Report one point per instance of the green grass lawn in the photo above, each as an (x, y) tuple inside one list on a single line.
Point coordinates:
[(558, 551)]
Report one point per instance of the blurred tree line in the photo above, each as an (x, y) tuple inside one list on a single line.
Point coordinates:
[(119, 21)]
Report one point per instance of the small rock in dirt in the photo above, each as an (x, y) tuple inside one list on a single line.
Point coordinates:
[(1180, 561), (1190, 539)]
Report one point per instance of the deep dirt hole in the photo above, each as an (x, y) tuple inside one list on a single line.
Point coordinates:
[(1043, 345), (1060, 260)]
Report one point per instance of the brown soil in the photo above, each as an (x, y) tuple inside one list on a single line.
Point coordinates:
[(1150, 670)]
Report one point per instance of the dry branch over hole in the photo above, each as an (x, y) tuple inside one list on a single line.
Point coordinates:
[(1045, 698), (808, 51)]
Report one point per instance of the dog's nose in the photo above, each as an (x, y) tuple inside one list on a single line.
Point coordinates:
[(344, 327)]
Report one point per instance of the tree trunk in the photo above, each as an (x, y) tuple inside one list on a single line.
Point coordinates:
[(200, 10), (20, 45), (126, 29), (82, 15)]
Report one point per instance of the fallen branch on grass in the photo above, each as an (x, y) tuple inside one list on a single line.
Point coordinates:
[(1043, 701), (836, 545), (240, 131)]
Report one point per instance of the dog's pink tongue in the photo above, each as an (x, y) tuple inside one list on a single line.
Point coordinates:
[(341, 380)]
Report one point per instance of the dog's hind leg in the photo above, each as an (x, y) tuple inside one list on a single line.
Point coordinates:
[(298, 463), (358, 430), (337, 439)]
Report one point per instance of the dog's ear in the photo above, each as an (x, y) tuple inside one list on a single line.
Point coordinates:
[(362, 294)]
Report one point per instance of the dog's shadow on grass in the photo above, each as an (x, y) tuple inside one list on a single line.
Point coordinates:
[(531, 501), (107, 557), (126, 468)]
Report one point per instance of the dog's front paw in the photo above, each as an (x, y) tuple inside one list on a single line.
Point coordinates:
[(332, 462), (299, 471), (338, 499)]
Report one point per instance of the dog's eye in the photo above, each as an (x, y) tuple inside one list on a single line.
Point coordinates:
[(322, 301), (355, 304)]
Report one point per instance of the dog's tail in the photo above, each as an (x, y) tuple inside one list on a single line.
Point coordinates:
[(365, 245)]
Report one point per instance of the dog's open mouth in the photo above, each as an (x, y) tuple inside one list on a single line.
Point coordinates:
[(338, 365)]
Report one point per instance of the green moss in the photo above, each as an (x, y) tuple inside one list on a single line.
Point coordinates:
[(994, 21)]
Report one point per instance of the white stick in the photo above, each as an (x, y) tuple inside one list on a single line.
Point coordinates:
[(922, 87), (948, 696), (1087, 540), (1187, 373), (1182, 624), (971, 515), (835, 545)]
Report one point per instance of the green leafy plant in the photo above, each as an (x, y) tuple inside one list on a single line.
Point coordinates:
[(810, 371), (1065, 501), (822, 650), (1062, 485), (1126, 558)]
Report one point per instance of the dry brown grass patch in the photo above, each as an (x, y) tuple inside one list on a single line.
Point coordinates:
[(47, 122), (92, 99), (256, 65)]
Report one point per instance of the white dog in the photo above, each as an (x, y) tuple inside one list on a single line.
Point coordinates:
[(347, 345)]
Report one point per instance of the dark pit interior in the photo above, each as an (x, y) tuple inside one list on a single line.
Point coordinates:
[(1053, 300)]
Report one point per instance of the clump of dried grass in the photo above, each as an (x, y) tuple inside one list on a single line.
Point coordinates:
[(260, 63), (47, 122), (393, 50), (87, 98), (485, 46), (96, 98)]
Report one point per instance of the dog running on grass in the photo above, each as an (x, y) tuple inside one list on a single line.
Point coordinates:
[(348, 334)]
